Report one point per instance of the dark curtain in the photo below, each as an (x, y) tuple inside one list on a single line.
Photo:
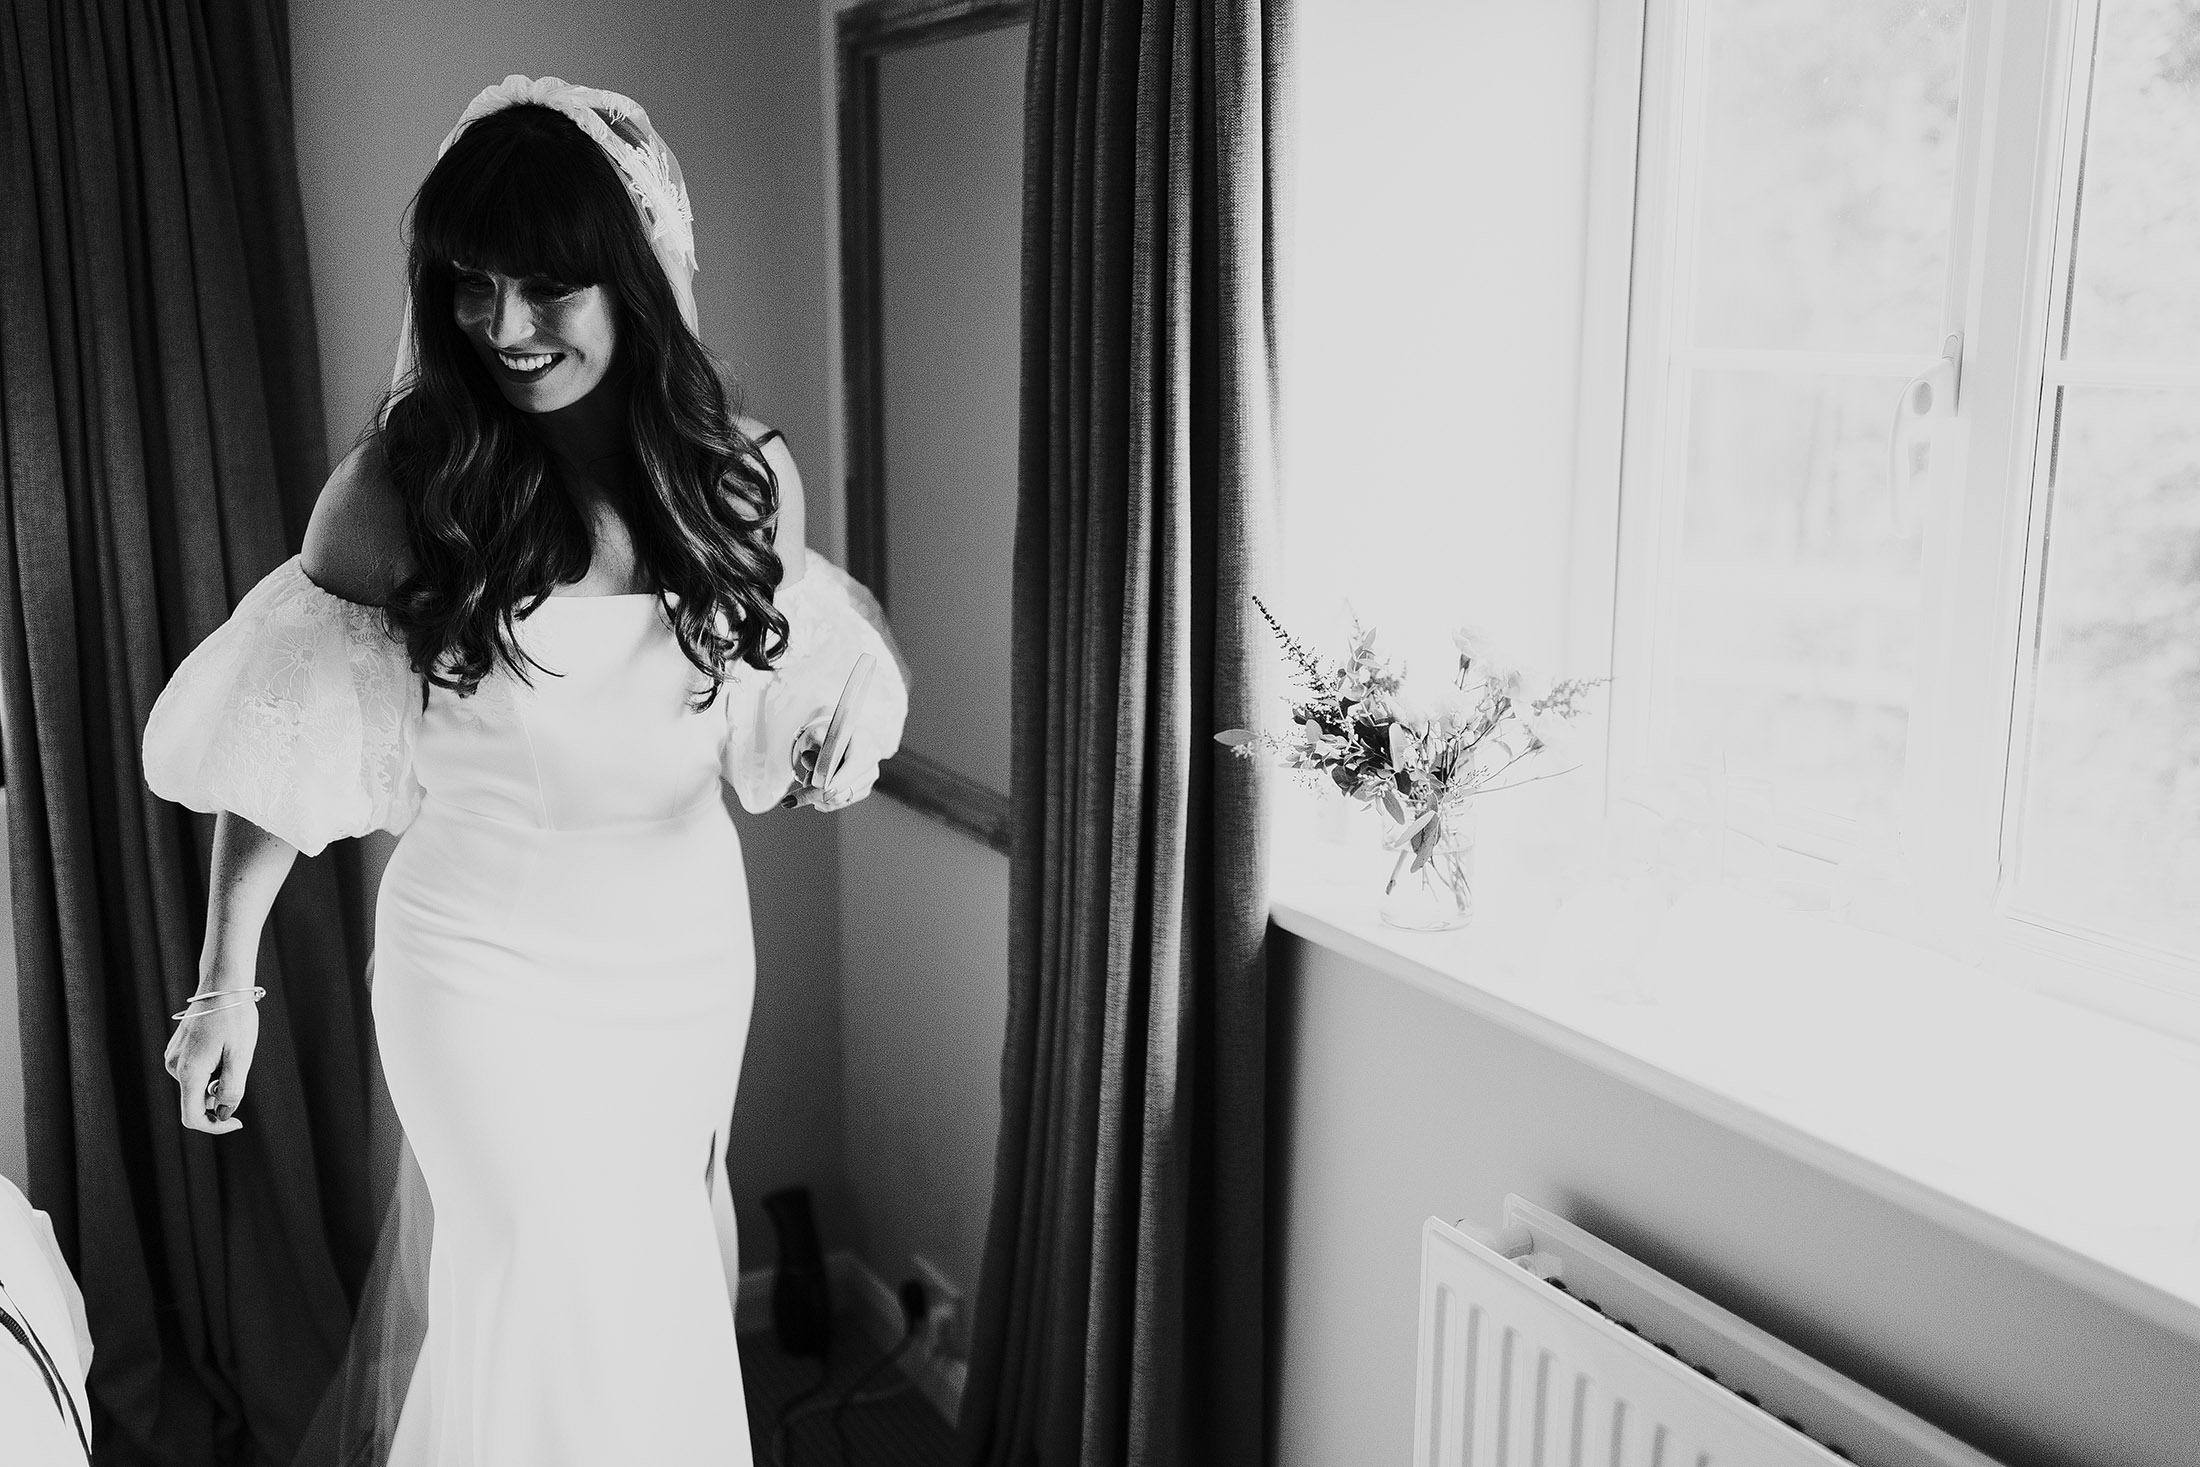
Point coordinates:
[(1120, 1315), (162, 439)]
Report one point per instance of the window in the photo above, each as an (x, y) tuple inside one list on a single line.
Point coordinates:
[(2105, 791), (1808, 158), (1909, 518)]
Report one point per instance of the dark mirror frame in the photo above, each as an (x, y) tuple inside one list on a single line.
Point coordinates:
[(865, 33)]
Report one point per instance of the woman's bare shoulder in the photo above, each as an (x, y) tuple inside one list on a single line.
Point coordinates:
[(793, 518), (356, 544)]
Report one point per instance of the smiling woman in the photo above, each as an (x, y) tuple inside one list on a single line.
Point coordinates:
[(529, 332), (540, 619)]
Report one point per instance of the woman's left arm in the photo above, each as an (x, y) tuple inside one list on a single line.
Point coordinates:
[(776, 721)]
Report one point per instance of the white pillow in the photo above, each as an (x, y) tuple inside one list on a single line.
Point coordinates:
[(45, 1345)]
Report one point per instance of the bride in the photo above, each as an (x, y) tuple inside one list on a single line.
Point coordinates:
[(554, 599)]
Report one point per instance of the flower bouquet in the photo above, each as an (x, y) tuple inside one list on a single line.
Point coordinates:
[(1420, 755)]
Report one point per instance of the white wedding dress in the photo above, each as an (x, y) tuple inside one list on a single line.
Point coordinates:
[(563, 974)]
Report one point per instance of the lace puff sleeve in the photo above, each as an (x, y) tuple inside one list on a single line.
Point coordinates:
[(831, 620), (298, 713)]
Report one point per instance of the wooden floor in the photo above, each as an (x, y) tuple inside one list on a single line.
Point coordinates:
[(903, 1432)]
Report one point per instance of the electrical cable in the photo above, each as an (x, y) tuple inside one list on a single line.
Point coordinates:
[(805, 1407), (854, 1396), (794, 1410)]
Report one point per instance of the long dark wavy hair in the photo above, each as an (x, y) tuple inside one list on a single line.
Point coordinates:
[(526, 193)]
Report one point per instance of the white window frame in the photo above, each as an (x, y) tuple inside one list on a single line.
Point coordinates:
[(2022, 79)]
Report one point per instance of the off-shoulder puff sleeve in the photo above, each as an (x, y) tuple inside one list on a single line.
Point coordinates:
[(299, 713), (831, 621)]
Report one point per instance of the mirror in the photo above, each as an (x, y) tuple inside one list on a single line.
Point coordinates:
[(931, 192)]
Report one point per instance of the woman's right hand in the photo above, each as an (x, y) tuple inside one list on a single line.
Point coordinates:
[(215, 1045)]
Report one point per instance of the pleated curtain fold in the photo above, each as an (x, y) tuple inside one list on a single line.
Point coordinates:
[(162, 440), (1120, 1315)]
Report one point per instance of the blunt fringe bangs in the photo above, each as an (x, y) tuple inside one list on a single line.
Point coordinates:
[(535, 197), (526, 193)]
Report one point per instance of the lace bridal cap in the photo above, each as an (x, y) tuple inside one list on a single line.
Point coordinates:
[(623, 130)]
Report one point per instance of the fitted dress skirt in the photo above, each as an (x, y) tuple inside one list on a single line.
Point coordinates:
[(561, 1016)]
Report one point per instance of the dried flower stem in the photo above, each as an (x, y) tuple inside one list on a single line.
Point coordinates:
[(1310, 667), (1531, 779)]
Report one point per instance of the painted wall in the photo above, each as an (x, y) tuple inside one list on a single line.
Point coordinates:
[(733, 86), (924, 949)]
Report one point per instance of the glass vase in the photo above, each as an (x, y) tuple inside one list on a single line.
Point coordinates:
[(1439, 895)]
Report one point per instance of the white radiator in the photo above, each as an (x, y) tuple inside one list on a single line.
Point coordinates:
[(1542, 1346)]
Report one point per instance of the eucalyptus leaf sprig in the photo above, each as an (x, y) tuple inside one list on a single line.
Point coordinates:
[(1358, 725)]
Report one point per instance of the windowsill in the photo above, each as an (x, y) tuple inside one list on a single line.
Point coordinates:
[(2043, 1130)]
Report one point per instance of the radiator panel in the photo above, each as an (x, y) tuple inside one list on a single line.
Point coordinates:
[(1514, 1372)]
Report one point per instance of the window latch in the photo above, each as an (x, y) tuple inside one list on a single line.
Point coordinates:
[(1928, 400)]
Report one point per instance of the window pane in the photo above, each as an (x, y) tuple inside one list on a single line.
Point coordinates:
[(2136, 293), (1797, 590), (1827, 171), (2111, 818)]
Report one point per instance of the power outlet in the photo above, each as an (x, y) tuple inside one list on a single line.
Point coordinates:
[(949, 1320)]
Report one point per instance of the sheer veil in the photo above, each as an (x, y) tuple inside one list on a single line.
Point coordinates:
[(356, 1422), (361, 1414)]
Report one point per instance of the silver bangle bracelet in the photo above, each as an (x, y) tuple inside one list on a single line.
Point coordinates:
[(242, 996)]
